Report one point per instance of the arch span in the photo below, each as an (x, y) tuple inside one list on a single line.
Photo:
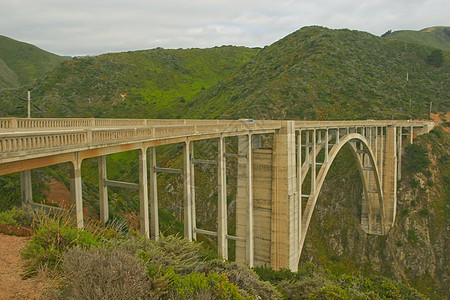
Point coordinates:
[(372, 190)]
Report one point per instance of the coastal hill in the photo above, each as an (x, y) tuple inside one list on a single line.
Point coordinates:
[(21, 63)]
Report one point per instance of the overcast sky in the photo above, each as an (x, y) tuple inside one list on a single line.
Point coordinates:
[(91, 27)]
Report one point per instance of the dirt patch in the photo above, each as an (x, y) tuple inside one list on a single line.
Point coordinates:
[(12, 286), (437, 118), (58, 194)]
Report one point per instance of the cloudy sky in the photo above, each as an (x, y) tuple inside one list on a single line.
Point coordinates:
[(91, 27)]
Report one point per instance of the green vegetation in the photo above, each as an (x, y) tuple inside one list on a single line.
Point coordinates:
[(21, 63), (437, 37), (319, 73), (311, 283), (101, 263), (416, 158), (436, 58), (140, 84)]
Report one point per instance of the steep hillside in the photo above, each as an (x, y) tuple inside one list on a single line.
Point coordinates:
[(140, 84), (437, 37), (318, 73), (21, 63), (415, 251)]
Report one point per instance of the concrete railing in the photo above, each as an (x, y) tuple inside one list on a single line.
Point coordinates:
[(46, 123), (29, 140)]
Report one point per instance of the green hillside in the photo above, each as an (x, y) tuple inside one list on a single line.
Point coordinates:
[(21, 63), (313, 73), (437, 37), (319, 73), (139, 84)]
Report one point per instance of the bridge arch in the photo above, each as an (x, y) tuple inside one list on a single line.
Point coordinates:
[(367, 167)]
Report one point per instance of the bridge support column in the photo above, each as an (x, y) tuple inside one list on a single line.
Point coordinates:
[(399, 155), (76, 192), (26, 190), (389, 178), (222, 202), (188, 229), (103, 189), (154, 228), (143, 194), (284, 249), (244, 202)]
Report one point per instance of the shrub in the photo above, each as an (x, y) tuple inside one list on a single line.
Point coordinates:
[(50, 241), (247, 280), (416, 158), (412, 237), (7, 218), (100, 273), (16, 217), (205, 286), (436, 58)]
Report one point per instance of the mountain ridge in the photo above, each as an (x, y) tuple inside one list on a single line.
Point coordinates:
[(436, 36), (21, 63), (320, 73)]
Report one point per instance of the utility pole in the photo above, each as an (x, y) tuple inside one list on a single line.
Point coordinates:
[(431, 103), (29, 101)]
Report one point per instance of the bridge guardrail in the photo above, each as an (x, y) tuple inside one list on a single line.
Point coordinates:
[(18, 143)]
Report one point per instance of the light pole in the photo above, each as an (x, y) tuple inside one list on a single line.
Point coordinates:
[(29, 101)]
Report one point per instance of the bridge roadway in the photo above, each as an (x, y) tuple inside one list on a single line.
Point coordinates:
[(272, 210)]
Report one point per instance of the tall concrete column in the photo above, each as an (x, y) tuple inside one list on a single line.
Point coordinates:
[(143, 194), (154, 228), (188, 230), (192, 174), (390, 177), (26, 190), (249, 236), (399, 155), (241, 198), (103, 189), (284, 250), (299, 188), (76, 192), (222, 202)]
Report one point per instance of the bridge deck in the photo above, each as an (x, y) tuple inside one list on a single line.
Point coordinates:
[(25, 139)]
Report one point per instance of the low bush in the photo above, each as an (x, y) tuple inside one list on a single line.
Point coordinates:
[(46, 247), (16, 217), (101, 273), (203, 286)]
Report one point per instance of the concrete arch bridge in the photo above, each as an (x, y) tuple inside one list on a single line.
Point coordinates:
[(277, 186)]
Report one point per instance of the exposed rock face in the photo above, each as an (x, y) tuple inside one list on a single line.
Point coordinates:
[(415, 250)]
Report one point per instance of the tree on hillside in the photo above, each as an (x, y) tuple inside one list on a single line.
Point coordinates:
[(436, 58)]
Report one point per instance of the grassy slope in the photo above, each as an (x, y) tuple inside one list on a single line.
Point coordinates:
[(141, 84), (21, 63), (318, 73), (437, 37)]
